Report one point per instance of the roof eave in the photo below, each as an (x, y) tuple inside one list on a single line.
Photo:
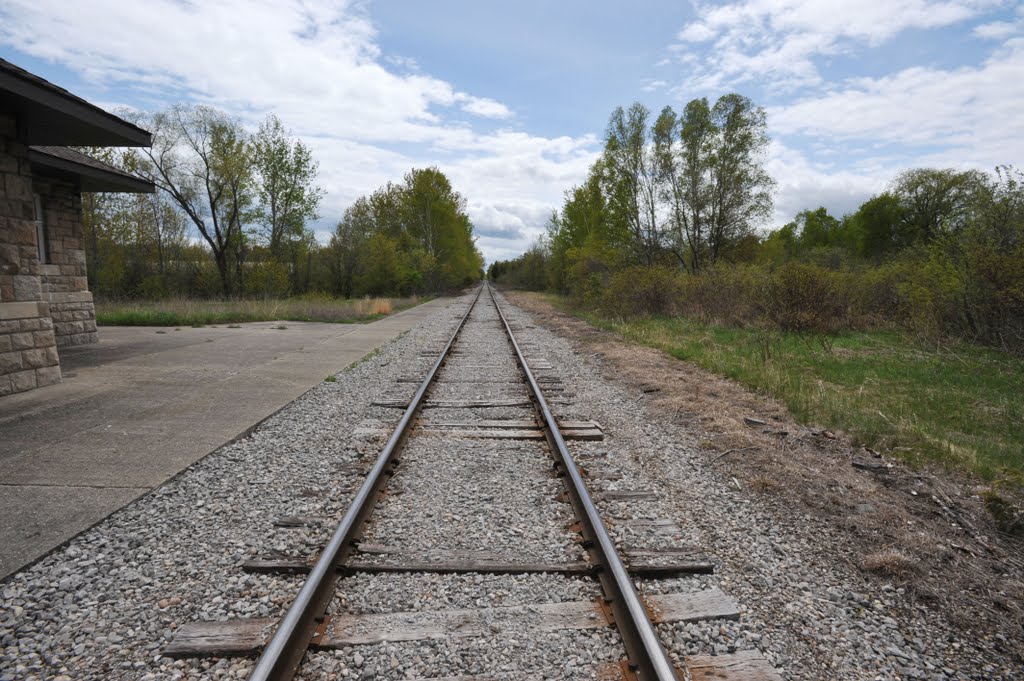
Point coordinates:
[(90, 179), (95, 126)]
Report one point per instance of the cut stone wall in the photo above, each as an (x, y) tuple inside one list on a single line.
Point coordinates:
[(64, 282), (28, 348), (28, 351)]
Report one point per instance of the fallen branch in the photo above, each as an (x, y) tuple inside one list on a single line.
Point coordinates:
[(730, 451)]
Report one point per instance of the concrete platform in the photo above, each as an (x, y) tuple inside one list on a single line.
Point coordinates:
[(143, 404)]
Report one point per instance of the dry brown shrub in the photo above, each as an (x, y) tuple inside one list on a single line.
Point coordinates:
[(891, 563)]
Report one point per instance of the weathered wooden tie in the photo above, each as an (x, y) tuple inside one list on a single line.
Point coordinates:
[(249, 635)]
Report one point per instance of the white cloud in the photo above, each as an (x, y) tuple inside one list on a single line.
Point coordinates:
[(317, 65), (996, 30), (481, 106), (696, 32), (837, 143), (803, 184), (966, 116), (777, 41)]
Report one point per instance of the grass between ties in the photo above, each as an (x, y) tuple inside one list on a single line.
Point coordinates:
[(961, 406), (189, 312)]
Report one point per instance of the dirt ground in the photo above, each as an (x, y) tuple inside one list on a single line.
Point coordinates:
[(926, 529)]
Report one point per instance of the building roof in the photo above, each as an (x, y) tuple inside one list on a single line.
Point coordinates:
[(48, 114), (89, 174)]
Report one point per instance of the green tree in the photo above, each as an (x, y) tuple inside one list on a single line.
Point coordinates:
[(935, 201), (286, 192), (741, 189), (435, 217), (876, 225), (346, 244), (710, 167), (416, 232), (630, 180), (818, 229)]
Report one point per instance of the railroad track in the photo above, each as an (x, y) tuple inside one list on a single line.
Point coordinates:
[(499, 426)]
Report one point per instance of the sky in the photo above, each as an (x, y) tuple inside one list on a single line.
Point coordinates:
[(510, 100)]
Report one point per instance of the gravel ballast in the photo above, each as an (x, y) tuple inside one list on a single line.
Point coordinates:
[(107, 604)]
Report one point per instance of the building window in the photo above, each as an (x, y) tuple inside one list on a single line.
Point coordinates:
[(40, 229)]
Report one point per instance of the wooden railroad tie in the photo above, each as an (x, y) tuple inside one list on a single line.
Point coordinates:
[(642, 562), (239, 636), (510, 429)]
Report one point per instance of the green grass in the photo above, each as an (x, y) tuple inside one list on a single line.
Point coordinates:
[(197, 313), (960, 406)]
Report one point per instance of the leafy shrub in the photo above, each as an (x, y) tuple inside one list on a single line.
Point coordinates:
[(589, 269), (643, 292), (269, 279), (808, 299), (733, 295)]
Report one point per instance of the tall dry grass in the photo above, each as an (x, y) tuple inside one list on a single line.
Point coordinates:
[(191, 312)]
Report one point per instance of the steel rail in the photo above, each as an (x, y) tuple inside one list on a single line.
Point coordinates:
[(647, 657), (283, 654)]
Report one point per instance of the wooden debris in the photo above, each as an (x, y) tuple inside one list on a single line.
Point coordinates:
[(300, 521), (230, 637), (871, 466), (709, 604), (743, 665), (627, 495)]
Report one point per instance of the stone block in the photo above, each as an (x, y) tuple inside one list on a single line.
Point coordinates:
[(22, 341), (10, 362), (18, 187), (31, 324), (43, 339), (19, 232), (10, 326), (47, 376), (52, 358), (8, 163), (23, 380), (10, 260), (5, 386), (35, 358), (27, 288), (25, 310), (5, 343)]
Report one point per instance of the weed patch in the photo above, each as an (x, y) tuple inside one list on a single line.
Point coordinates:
[(961, 405)]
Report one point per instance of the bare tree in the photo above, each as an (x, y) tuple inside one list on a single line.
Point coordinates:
[(200, 158)]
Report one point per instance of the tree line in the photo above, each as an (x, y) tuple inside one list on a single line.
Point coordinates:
[(231, 217), (666, 223)]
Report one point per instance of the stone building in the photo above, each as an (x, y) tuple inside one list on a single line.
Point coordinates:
[(45, 303)]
